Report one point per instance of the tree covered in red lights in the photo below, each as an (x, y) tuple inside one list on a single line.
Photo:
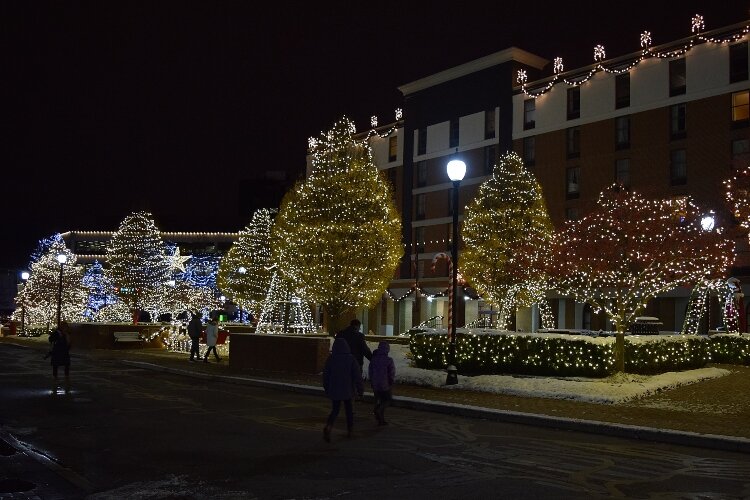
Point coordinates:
[(629, 250)]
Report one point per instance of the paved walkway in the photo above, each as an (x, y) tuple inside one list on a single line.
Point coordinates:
[(713, 413)]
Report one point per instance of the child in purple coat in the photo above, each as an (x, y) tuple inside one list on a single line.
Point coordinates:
[(382, 373)]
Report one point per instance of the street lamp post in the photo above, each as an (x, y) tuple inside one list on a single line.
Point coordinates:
[(242, 270), (62, 259), (24, 278), (456, 171)]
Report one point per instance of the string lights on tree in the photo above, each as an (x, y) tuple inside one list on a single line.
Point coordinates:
[(631, 249), (101, 291), (138, 263), (337, 237), (508, 235)]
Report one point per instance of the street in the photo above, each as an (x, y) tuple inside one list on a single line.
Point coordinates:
[(122, 431)]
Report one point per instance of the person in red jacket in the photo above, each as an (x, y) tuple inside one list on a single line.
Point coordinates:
[(382, 373)]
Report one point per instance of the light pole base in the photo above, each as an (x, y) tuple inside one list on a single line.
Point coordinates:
[(452, 378)]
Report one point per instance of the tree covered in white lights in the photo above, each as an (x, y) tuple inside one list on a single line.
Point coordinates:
[(39, 296), (337, 237), (507, 237), (101, 291), (631, 249), (138, 264), (246, 271)]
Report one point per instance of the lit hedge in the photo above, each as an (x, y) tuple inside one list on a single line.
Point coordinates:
[(730, 348), (556, 355)]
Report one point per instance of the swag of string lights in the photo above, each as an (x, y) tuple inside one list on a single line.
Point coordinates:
[(727, 292), (697, 27), (313, 143)]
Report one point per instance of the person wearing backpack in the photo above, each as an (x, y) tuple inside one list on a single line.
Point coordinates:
[(382, 374)]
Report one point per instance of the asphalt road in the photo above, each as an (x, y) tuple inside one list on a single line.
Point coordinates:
[(125, 432)]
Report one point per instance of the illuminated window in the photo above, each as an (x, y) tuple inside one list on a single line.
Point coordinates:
[(740, 107), (392, 148)]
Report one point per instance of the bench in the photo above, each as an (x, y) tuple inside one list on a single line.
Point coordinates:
[(128, 337)]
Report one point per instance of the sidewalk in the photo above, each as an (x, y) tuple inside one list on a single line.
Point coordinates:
[(712, 413)]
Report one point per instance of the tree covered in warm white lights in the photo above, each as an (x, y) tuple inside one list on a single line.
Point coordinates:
[(39, 296), (507, 237), (337, 237), (631, 249), (738, 198), (246, 271), (138, 264)]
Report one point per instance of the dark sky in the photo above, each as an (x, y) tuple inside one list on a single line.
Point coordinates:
[(110, 107)]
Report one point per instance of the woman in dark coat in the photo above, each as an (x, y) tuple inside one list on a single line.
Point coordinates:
[(342, 381), (60, 351)]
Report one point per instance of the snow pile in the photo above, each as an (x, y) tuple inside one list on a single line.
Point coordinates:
[(615, 389)]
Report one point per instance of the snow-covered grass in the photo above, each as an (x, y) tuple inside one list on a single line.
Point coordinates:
[(614, 389)]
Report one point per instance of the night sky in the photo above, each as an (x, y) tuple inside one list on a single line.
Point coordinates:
[(177, 107)]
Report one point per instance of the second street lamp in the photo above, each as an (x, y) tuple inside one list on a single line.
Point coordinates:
[(24, 278), (456, 171), (62, 259)]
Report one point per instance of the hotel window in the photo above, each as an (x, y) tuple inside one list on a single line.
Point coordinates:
[(740, 148), (529, 114), (574, 103), (740, 107), (392, 148), (572, 182), (677, 78), (529, 151), (622, 132), (420, 206), (419, 236), (489, 159), (454, 133), (622, 171), (678, 167), (678, 121), (573, 142), (622, 91), (422, 141), (489, 124), (738, 62), (571, 213), (421, 173)]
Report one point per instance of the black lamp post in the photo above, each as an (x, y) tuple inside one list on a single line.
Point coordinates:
[(62, 259), (242, 270), (24, 278), (456, 171)]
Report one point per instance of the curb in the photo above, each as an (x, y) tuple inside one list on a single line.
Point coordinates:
[(683, 438)]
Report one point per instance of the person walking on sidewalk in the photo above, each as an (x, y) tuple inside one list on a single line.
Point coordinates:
[(382, 373), (195, 327), (212, 336), (60, 351), (342, 380), (357, 344)]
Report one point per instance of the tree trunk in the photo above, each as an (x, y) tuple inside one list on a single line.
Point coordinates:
[(620, 349), (335, 318)]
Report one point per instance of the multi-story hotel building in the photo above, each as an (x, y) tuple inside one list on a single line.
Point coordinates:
[(668, 121)]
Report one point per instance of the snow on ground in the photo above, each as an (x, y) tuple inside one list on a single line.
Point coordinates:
[(614, 389)]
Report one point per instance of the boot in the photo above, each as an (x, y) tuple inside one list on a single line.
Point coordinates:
[(327, 433)]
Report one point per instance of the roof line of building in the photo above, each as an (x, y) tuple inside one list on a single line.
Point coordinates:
[(509, 54)]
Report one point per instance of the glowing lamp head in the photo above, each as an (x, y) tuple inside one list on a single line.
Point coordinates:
[(708, 222), (62, 258), (171, 283), (456, 170), (222, 298), (242, 270), (25, 275)]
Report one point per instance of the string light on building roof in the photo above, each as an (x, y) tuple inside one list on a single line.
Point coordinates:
[(646, 40), (522, 77), (558, 65), (373, 121), (697, 24), (399, 113), (599, 53)]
